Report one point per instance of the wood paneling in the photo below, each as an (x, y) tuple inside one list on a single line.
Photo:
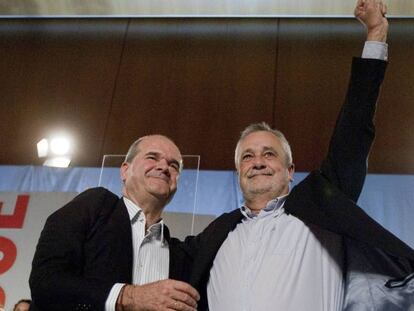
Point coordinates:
[(314, 64), (200, 81), (393, 150), (57, 75)]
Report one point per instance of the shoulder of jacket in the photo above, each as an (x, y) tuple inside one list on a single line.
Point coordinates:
[(226, 219), (98, 194), (90, 201)]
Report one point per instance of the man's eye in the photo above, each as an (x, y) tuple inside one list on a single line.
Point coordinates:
[(151, 157), (246, 157), (269, 154), (175, 167)]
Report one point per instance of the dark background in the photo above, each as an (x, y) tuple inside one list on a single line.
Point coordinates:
[(200, 81)]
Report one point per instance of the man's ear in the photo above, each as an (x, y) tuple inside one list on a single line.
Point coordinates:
[(291, 171), (123, 170)]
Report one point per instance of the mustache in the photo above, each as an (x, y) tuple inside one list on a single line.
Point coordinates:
[(159, 174), (255, 172)]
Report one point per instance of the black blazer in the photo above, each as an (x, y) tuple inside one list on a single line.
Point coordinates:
[(84, 249), (327, 196)]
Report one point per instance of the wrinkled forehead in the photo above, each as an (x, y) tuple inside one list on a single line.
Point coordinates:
[(161, 145), (260, 140)]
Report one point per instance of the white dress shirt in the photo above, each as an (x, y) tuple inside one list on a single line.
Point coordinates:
[(273, 261), (150, 250)]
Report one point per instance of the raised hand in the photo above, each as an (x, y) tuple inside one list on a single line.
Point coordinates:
[(371, 13)]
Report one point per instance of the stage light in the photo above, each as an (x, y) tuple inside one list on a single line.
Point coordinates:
[(60, 145), (57, 162), (56, 150), (42, 148)]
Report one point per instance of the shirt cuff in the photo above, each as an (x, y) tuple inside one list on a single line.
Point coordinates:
[(375, 50), (110, 304)]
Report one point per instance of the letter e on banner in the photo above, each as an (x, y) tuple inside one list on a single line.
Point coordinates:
[(16, 220)]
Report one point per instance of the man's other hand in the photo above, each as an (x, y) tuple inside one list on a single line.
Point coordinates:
[(159, 296)]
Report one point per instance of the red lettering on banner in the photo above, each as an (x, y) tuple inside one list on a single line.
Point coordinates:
[(2, 297), (16, 220), (9, 251)]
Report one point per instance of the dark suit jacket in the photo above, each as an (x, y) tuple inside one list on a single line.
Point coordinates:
[(84, 249), (327, 197)]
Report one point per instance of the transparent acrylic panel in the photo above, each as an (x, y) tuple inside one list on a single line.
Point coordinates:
[(180, 214)]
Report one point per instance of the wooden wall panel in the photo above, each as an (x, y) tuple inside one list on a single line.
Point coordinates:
[(199, 81), (57, 75), (393, 151), (314, 63), (313, 71)]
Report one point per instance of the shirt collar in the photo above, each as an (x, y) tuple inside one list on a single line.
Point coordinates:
[(273, 207), (135, 214)]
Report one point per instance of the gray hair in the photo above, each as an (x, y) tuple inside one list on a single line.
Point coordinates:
[(258, 127), (134, 149)]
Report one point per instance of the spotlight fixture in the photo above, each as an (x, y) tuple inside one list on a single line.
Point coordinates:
[(56, 150), (57, 162), (59, 145), (42, 148)]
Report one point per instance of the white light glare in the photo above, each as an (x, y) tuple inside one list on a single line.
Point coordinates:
[(42, 148), (57, 162), (60, 145)]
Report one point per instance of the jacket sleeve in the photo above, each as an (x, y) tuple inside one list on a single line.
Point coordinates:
[(346, 163), (56, 280)]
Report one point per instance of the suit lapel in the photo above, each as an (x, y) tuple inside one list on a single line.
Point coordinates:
[(211, 241), (122, 225)]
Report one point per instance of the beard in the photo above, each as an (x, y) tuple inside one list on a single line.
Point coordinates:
[(251, 191), (272, 188), (259, 189)]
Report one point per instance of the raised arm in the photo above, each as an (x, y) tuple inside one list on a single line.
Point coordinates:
[(346, 163)]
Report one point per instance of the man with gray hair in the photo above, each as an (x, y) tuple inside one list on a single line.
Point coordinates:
[(311, 248), (101, 252), (263, 126)]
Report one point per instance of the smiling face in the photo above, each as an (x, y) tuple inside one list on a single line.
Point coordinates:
[(263, 168), (153, 173)]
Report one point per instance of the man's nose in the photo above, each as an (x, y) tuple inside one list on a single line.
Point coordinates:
[(259, 162), (163, 165)]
